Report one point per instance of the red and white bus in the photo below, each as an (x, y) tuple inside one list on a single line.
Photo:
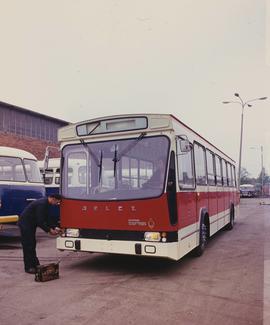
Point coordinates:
[(143, 185)]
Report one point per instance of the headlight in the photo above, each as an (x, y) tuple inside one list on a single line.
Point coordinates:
[(71, 232), (152, 236)]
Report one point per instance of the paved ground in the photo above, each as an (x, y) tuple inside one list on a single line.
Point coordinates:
[(226, 286)]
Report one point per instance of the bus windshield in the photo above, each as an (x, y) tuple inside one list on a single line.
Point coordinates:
[(115, 170)]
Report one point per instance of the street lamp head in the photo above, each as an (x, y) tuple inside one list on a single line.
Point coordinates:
[(243, 104)]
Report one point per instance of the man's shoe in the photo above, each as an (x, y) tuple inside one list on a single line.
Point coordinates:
[(32, 270)]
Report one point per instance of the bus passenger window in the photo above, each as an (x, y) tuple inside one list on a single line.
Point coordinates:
[(224, 173), (218, 171), (230, 177), (185, 169), (233, 176), (200, 166), (210, 167)]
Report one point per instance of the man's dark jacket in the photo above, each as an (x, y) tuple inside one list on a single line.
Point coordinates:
[(36, 215)]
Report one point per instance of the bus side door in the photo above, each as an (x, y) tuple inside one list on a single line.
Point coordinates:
[(186, 198), (212, 192)]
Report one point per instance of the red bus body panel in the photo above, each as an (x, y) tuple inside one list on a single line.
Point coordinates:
[(146, 215)]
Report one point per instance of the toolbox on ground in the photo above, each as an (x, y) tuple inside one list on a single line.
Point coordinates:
[(47, 272)]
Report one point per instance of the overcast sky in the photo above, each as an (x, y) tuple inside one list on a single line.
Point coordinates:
[(77, 60)]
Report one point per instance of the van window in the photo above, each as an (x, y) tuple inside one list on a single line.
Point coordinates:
[(11, 169)]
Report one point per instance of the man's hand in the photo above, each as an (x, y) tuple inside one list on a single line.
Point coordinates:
[(53, 232), (59, 230)]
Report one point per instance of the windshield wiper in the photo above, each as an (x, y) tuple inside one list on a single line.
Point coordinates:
[(115, 160), (100, 166)]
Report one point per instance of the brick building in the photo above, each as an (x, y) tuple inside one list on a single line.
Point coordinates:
[(24, 129)]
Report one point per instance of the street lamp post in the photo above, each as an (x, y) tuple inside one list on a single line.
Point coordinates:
[(243, 105), (262, 168)]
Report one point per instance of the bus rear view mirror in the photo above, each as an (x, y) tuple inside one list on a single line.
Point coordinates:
[(185, 146)]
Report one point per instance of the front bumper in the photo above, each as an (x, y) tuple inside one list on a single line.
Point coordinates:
[(167, 250)]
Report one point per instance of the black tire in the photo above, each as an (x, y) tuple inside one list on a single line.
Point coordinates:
[(230, 225), (199, 250)]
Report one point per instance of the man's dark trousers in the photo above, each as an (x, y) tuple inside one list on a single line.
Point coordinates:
[(28, 239)]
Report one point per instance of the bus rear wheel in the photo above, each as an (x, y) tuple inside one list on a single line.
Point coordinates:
[(230, 225), (198, 251)]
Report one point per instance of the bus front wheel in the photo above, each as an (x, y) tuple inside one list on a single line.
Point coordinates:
[(198, 251)]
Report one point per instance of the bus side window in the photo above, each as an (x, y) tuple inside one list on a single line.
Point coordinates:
[(230, 181), (210, 159), (200, 165), (233, 176), (218, 171), (185, 166), (224, 173)]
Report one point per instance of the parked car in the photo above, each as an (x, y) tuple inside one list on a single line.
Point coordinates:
[(247, 190)]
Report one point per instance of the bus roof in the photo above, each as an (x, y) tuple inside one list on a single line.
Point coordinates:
[(200, 136), (14, 152), (69, 131)]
